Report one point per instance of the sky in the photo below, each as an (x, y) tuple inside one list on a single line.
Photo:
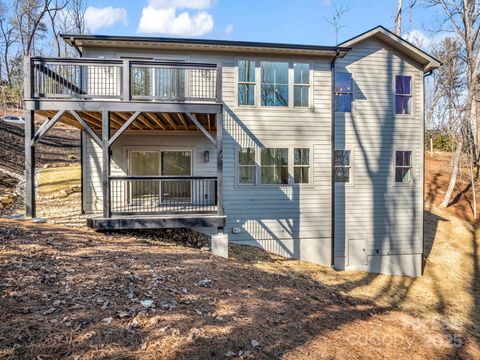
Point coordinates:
[(282, 21)]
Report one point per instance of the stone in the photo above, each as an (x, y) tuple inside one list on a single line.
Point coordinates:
[(220, 245), (146, 303), (255, 343)]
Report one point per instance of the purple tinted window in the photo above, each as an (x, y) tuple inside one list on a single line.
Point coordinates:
[(402, 94), (343, 92)]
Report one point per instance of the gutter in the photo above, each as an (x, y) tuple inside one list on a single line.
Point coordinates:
[(332, 157)]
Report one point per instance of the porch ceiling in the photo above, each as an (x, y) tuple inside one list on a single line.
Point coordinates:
[(146, 121)]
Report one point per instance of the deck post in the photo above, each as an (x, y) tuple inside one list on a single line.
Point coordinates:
[(126, 80), (30, 206), (219, 119), (106, 163)]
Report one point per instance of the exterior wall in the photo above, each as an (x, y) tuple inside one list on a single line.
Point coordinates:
[(379, 223)]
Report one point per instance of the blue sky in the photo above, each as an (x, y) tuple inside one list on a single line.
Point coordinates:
[(301, 21)]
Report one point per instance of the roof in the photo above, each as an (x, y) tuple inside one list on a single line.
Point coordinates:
[(202, 44), (428, 61)]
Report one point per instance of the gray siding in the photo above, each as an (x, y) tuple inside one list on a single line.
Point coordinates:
[(386, 216)]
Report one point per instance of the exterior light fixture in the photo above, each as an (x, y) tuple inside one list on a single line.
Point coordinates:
[(206, 156)]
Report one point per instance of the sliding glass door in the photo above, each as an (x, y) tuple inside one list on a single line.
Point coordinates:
[(165, 163)]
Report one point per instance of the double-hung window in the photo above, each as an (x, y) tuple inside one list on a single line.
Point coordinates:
[(403, 166), (343, 92), (301, 165), (246, 165), (301, 84), (274, 86), (403, 94), (274, 165), (246, 82), (342, 166)]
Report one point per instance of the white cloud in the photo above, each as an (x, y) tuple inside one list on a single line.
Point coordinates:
[(229, 29), (100, 18), (424, 41), (161, 17), (187, 4)]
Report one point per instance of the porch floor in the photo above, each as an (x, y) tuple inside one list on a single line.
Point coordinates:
[(134, 222)]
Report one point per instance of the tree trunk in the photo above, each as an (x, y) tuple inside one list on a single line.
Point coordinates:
[(398, 18), (455, 171)]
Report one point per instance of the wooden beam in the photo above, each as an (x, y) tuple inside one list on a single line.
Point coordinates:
[(170, 120), (106, 163), (145, 122), (47, 125), (182, 119), (123, 128), (87, 128), (154, 118), (30, 206), (201, 128), (209, 124), (125, 118), (220, 163), (98, 116)]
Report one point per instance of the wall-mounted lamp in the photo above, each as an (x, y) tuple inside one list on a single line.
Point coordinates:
[(206, 156)]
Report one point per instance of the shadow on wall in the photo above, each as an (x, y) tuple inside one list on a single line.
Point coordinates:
[(269, 216)]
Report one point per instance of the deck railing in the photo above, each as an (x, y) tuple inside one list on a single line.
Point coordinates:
[(131, 195), (138, 80)]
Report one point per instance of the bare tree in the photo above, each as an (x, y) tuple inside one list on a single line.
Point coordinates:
[(53, 14), (339, 8), (399, 13), (8, 39), (462, 18), (76, 12)]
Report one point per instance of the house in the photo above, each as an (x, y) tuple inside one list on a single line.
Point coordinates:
[(311, 152)]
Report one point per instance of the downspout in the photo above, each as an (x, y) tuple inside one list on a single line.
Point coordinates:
[(423, 180), (332, 156)]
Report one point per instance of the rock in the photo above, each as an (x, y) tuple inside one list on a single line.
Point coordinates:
[(146, 303), (205, 283), (230, 354), (39, 220), (122, 314), (49, 311), (107, 320), (255, 343)]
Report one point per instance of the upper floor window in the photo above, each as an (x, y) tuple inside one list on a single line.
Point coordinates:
[(274, 86), (342, 166), (274, 165), (301, 84), (246, 82), (301, 165), (246, 165), (343, 92), (403, 94), (403, 166)]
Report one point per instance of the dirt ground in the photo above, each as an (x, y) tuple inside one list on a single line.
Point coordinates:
[(78, 294)]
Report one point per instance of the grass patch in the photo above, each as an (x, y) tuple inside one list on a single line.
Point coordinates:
[(53, 180)]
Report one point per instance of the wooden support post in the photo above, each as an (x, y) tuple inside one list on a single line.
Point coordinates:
[(201, 128), (220, 162), (106, 163), (82, 172), (126, 80), (30, 208)]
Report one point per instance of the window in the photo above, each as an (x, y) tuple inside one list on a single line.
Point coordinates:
[(301, 84), (274, 83), (403, 94), (343, 92), (301, 166), (246, 165), (246, 82), (403, 166), (342, 166), (274, 165)]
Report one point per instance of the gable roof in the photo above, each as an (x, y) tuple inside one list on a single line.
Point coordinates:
[(201, 44), (428, 61)]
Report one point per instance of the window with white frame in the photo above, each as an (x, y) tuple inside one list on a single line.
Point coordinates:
[(274, 85), (274, 165), (342, 166), (403, 166), (301, 165), (403, 94), (246, 165), (301, 84), (246, 82), (343, 92)]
